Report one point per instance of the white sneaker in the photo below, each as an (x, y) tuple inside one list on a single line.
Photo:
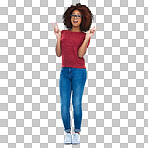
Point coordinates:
[(68, 138), (76, 138)]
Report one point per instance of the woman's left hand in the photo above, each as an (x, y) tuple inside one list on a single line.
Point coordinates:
[(90, 32)]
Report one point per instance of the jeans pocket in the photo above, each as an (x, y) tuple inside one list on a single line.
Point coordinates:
[(61, 70)]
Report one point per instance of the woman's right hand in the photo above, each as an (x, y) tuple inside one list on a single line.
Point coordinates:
[(57, 32)]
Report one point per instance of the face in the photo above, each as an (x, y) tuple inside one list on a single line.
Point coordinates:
[(76, 21)]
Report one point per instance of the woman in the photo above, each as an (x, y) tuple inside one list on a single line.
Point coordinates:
[(72, 45)]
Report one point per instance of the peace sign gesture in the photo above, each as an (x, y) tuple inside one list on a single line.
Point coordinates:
[(91, 32), (57, 31)]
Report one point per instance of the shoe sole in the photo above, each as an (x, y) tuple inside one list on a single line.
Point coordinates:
[(67, 143), (75, 143)]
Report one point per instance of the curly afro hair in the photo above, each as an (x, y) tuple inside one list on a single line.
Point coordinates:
[(87, 17)]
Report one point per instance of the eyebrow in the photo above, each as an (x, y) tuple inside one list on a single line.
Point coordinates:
[(74, 13)]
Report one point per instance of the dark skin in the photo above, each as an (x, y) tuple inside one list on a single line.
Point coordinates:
[(76, 28)]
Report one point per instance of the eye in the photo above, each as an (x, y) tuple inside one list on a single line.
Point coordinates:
[(73, 15)]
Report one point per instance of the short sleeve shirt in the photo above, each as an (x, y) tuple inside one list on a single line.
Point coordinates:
[(70, 44)]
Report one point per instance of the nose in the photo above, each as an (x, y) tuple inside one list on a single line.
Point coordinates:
[(75, 17)]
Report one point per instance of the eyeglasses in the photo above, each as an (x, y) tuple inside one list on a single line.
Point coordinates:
[(78, 16)]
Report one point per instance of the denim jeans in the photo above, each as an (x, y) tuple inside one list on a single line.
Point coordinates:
[(72, 80)]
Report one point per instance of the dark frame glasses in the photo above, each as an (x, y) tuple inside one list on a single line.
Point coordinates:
[(78, 16)]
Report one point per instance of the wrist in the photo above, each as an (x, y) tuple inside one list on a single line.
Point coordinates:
[(87, 37), (58, 38)]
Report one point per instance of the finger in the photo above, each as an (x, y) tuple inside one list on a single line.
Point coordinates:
[(92, 28), (53, 25), (56, 24), (95, 29)]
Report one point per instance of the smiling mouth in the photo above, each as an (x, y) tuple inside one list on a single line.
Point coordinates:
[(75, 21)]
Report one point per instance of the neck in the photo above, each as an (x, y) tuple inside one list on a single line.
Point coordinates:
[(75, 29)]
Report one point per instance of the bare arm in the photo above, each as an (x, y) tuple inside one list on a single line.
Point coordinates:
[(82, 49), (57, 32), (58, 47)]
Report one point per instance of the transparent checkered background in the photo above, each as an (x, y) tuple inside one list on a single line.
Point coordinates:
[(115, 100)]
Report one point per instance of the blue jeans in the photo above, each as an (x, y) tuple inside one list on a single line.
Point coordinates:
[(72, 80)]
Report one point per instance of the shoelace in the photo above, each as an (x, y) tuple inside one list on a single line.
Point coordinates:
[(75, 137), (68, 136)]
